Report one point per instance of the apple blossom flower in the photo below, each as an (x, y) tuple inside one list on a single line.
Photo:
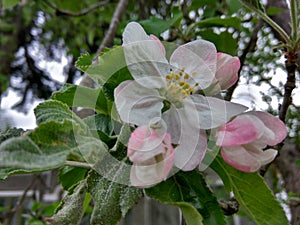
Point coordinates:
[(244, 138), (170, 90), (226, 73), (152, 155)]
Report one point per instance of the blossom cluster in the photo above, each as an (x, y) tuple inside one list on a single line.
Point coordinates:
[(173, 106)]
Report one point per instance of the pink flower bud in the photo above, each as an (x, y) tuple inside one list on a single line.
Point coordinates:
[(244, 138), (152, 156), (227, 70)]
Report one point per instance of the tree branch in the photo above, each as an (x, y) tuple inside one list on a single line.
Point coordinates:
[(291, 66), (8, 216), (249, 48), (80, 13), (112, 30), (86, 80)]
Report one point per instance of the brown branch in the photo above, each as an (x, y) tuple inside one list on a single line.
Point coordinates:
[(291, 66), (80, 13), (112, 30), (229, 207), (249, 48), (111, 33), (9, 215)]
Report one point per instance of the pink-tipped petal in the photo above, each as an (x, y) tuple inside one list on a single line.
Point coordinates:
[(151, 172), (239, 158), (227, 70), (212, 112), (161, 46), (134, 32), (241, 130), (274, 124), (144, 143), (267, 156), (144, 57)]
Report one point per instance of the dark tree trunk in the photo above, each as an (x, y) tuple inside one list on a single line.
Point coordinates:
[(290, 172), (290, 153)]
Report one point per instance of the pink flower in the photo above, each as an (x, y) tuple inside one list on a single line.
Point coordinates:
[(227, 70), (226, 73), (152, 155), (244, 138)]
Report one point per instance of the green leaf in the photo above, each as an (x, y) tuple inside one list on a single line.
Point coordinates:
[(189, 192), (45, 148), (100, 122), (234, 6), (218, 22), (70, 211), (6, 172), (34, 221), (84, 62), (69, 176), (211, 153), (157, 26), (252, 194), (108, 64), (13, 132), (195, 5), (298, 162), (117, 78), (272, 11), (23, 153), (224, 41), (111, 200), (9, 3), (79, 96), (53, 110), (254, 4)]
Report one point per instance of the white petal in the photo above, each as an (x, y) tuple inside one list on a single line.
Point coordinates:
[(199, 58), (185, 132), (191, 150), (274, 124), (134, 32), (144, 57), (256, 150), (239, 158), (173, 121), (137, 104), (212, 112)]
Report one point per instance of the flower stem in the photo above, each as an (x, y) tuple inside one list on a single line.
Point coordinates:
[(271, 22), (294, 20), (78, 164)]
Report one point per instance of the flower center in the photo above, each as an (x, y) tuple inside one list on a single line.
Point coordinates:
[(179, 86)]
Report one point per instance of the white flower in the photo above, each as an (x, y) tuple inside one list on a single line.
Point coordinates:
[(169, 90)]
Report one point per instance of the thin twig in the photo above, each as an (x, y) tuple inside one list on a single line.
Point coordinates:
[(249, 48), (9, 215), (78, 164), (80, 13), (112, 30)]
